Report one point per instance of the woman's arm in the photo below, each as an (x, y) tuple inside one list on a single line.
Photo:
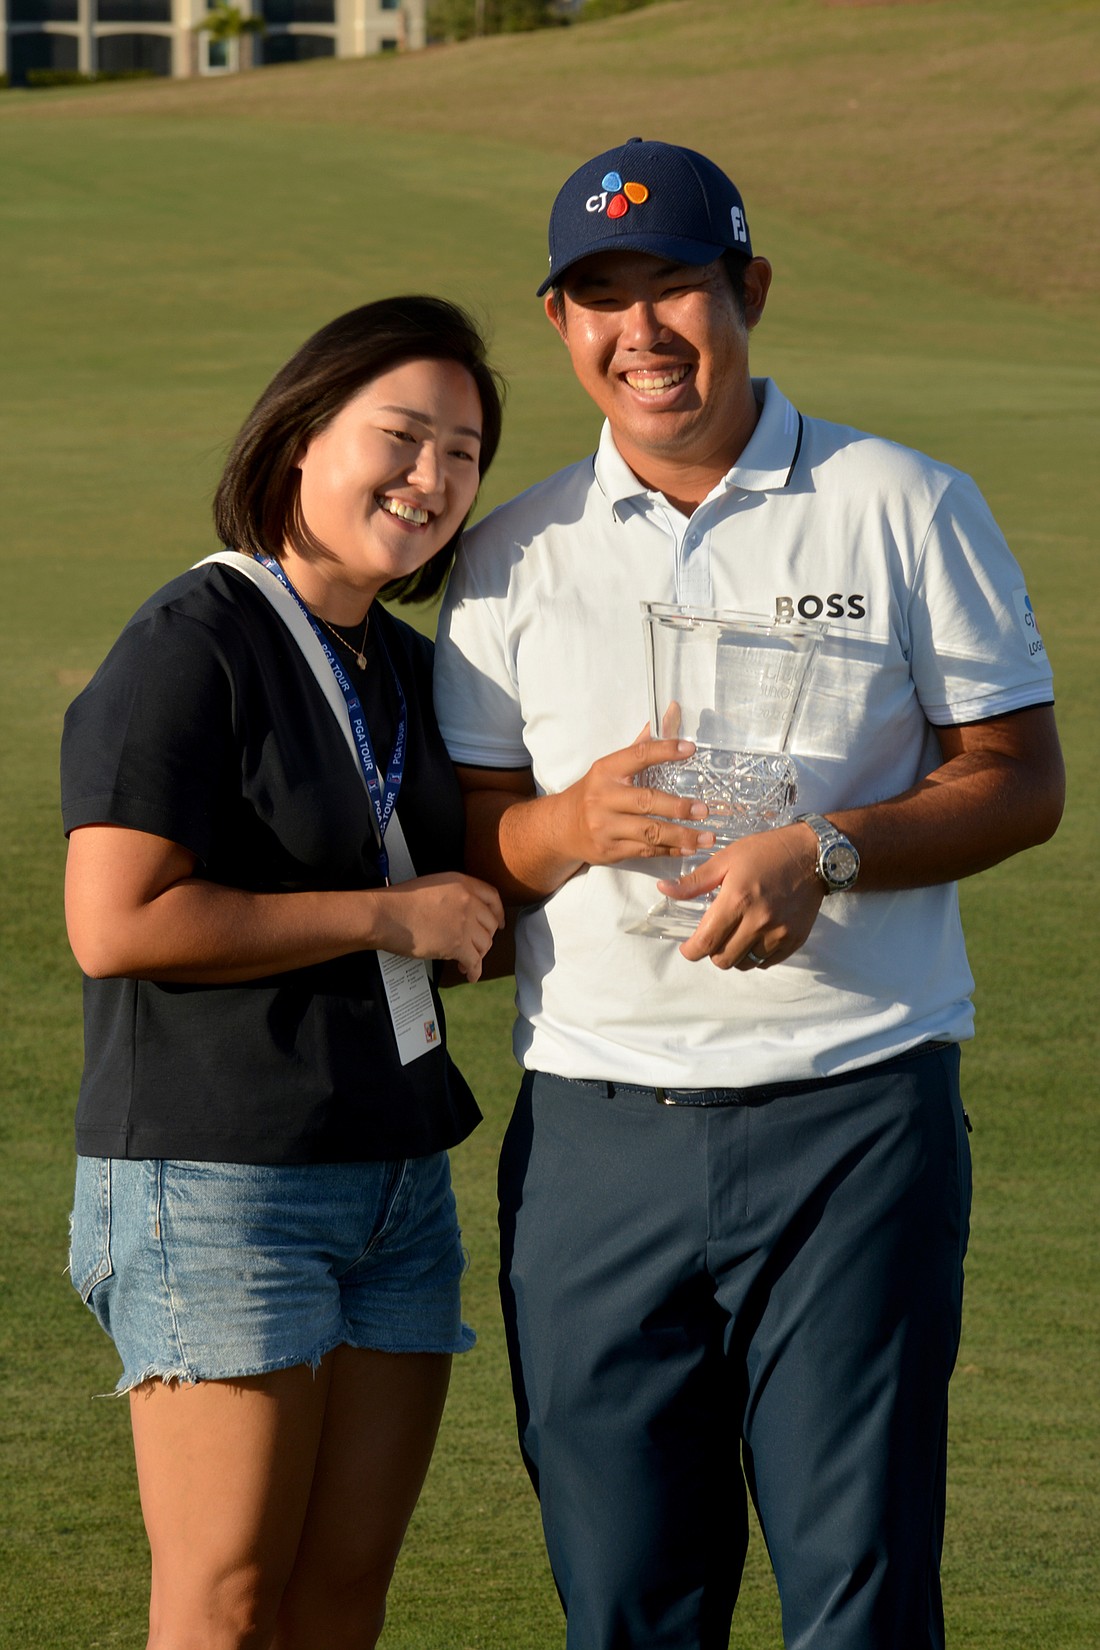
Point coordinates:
[(135, 908)]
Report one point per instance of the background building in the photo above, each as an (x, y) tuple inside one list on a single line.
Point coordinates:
[(160, 35)]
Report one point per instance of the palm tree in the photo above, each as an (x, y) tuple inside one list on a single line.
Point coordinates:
[(224, 23)]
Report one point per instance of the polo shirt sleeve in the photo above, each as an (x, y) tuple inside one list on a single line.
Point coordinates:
[(976, 650), (148, 743), (477, 702)]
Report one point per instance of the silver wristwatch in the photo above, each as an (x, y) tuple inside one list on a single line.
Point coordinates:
[(837, 860)]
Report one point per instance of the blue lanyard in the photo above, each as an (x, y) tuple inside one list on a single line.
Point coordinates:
[(383, 796)]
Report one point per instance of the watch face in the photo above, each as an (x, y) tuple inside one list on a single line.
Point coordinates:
[(840, 865)]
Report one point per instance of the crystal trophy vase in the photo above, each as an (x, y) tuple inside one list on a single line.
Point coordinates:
[(731, 683)]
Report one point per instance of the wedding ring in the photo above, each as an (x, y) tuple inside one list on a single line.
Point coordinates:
[(756, 961)]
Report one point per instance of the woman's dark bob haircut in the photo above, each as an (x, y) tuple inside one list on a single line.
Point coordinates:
[(257, 508)]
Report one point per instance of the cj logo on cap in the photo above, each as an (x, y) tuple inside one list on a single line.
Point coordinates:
[(616, 197)]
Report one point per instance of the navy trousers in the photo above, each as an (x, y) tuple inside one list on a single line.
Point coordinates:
[(766, 1292)]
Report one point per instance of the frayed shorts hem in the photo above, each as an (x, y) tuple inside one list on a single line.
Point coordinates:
[(195, 1377), (221, 1271)]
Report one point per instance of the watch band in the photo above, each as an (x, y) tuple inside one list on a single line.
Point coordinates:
[(837, 857)]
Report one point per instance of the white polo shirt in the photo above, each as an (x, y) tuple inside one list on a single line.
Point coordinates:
[(540, 664)]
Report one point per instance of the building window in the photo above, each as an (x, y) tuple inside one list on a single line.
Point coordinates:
[(40, 51), (133, 11), (122, 53), (296, 48), (42, 11), (391, 5), (219, 56), (387, 45), (299, 11)]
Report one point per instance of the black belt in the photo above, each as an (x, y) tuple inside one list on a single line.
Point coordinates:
[(760, 1092)]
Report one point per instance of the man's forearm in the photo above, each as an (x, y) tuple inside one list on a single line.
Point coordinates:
[(516, 844), (527, 845), (999, 790)]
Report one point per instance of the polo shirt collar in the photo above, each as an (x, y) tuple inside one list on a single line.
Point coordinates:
[(615, 478), (768, 459), (764, 466)]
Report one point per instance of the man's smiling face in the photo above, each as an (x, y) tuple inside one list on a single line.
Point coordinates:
[(662, 349)]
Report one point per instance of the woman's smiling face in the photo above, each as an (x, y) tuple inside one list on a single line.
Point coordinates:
[(386, 484)]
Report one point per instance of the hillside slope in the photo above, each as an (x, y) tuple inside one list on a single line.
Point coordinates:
[(958, 134)]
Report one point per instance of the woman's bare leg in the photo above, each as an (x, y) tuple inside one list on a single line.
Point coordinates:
[(381, 1418), (225, 1470)]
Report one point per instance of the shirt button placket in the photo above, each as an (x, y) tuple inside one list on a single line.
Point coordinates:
[(694, 584)]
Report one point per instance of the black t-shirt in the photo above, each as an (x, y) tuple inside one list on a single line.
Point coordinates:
[(205, 725)]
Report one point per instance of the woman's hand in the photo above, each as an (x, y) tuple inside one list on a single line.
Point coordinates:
[(447, 917)]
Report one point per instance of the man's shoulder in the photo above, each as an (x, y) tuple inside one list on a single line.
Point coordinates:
[(555, 502), (860, 457)]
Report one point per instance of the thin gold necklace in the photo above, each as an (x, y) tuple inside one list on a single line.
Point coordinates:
[(360, 651)]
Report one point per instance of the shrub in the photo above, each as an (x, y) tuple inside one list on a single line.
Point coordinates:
[(41, 78)]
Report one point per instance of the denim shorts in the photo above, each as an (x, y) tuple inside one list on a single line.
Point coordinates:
[(210, 1271)]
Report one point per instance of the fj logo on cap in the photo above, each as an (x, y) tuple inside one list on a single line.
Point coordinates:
[(740, 227), (616, 197)]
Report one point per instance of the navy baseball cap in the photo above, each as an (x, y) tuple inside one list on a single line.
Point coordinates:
[(646, 197)]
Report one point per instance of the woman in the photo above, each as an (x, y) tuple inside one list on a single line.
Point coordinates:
[(263, 1219)]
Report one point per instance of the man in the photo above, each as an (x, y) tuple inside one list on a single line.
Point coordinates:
[(735, 1192)]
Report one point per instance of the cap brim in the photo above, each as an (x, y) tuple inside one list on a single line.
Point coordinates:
[(672, 247)]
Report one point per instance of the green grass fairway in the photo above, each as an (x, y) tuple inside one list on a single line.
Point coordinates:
[(924, 179)]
